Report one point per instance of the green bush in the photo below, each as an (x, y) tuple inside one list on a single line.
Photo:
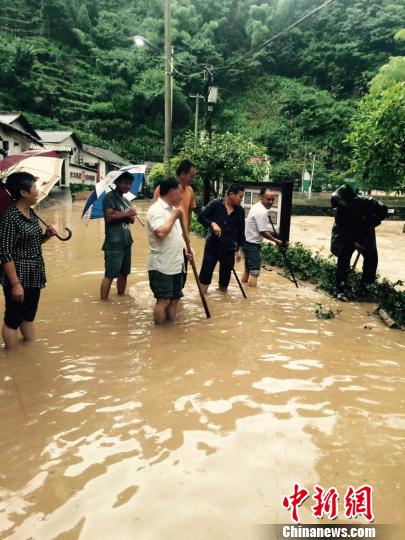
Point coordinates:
[(157, 173), (76, 188), (321, 271), (197, 228)]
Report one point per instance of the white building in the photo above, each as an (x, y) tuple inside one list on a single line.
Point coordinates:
[(68, 145), (83, 163), (16, 134), (100, 158)]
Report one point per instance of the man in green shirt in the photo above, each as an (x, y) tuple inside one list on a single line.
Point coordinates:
[(118, 215)]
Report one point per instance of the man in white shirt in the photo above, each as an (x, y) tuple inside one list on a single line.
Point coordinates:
[(166, 259), (257, 228)]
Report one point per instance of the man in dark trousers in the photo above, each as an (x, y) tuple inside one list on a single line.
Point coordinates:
[(354, 228), (226, 220), (118, 215)]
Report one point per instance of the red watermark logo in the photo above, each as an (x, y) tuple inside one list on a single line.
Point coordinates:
[(356, 502)]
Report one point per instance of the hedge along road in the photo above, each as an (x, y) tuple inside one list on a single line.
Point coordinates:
[(113, 428)]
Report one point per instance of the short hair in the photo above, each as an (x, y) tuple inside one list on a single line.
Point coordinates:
[(235, 188), (167, 185), (184, 166), (124, 176), (263, 191), (19, 181)]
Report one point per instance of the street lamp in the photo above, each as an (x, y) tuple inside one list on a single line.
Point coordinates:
[(140, 41)]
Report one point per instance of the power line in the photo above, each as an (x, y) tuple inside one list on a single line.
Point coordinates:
[(258, 48)]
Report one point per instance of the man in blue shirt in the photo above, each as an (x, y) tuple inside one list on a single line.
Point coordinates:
[(226, 220)]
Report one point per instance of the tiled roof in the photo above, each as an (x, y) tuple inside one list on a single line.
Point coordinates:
[(7, 127), (54, 136), (105, 155), (8, 117)]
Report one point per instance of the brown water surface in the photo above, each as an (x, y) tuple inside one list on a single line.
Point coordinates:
[(314, 232), (112, 428)]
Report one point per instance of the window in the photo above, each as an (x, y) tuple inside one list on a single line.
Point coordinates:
[(248, 197)]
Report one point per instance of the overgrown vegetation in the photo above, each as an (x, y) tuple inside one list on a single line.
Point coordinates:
[(72, 65), (323, 313), (320, 271), (224, 159)]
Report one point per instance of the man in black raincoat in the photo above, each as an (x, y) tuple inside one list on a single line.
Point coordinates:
[(354, 228)]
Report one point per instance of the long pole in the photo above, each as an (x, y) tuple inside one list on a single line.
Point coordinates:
[(197, 106), (242, 290), (197, 98), (303, 168), (168, 89), (193, 266), (283, 254), (312, 177), (171, 84)]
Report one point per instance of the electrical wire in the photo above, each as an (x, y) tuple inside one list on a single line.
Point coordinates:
[(258, 48)]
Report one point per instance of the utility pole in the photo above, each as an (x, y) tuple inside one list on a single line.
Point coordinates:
[(304, 167), (312, 174), (168, 89), (197, 98), (209, 79)]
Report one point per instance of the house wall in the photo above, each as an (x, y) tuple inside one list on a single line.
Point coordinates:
[(82, 175), (89, 160), (18, 125), (69, 159), (16, 143)]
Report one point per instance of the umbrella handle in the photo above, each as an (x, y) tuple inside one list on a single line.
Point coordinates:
[(65, 239)]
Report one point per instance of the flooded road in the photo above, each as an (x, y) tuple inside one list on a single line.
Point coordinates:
[(315, 231), (112, 428)]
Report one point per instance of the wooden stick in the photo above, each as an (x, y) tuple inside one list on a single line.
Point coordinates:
[(242, 290), (356, 260), (140, 221), (193, 266), (284, 255)]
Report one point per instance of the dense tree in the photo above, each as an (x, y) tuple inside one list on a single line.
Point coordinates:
[(224, 159), (378, 139), (72, 64)]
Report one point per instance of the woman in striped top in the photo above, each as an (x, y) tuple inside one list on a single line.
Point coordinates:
[(22, 271)]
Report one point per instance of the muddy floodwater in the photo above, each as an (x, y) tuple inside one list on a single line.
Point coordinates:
[(112, 428), (314, 232)]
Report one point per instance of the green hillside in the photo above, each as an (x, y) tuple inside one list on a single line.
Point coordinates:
[(72, 64)]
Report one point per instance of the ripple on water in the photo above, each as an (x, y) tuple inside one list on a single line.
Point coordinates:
[(274, 357), (77, 407), (275, 386), (303, 364)]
